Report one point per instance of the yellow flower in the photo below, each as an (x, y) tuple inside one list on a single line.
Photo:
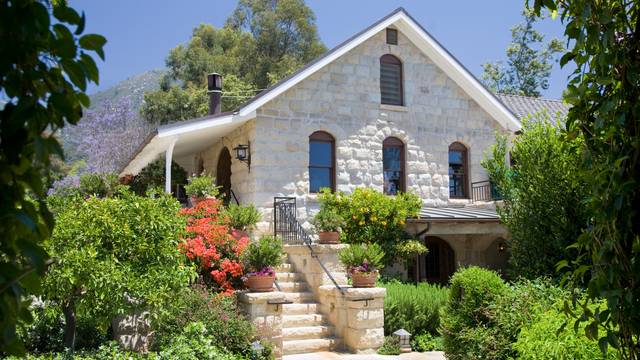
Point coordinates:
[(384, 223), (361, 222), (373, 218), (401, 222), (354, 217)]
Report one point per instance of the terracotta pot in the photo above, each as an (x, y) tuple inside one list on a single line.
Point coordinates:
[(260, 283), (329, 237), (363, 279), (239, 234)]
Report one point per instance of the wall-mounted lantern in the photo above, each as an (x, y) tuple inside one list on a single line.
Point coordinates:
[(243, 153), (404, 338), (502, 247)]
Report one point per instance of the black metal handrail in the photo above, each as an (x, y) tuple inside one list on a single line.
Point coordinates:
[(286, 224), (234, 196)]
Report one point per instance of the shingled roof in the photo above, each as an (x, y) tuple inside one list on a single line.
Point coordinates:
[(522, 106)]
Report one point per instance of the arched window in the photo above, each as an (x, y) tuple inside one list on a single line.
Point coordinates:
[(458, 171), (322, 162), (393, 165), (391, 80)]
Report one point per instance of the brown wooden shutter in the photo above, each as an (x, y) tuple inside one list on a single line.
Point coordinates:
[(391, 80)]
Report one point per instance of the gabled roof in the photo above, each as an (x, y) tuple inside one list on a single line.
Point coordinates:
[(523, 106), (185, 134), (424, 41)]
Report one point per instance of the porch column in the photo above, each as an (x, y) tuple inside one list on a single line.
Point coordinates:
[(168, 159)]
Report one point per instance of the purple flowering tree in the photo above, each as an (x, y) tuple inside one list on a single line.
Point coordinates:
[(108, 137)]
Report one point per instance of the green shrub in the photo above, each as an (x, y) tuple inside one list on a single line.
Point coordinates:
[(219, 314), (242, 217), (426, 342), (483, 316), (100, 185), (201, 187), (264, 253), (362, 257), (373, 217), (115, 249), (540, 340), (153, 175), (467, 320), (390, 346), (415, 308), (196, 341), (327, 220)]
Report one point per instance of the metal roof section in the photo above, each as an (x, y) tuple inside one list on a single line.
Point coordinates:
[(523, 106), (456, 214)]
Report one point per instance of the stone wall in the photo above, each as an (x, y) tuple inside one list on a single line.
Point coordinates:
[(343, 99)]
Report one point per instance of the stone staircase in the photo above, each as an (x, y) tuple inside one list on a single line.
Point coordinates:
[(304, 328)]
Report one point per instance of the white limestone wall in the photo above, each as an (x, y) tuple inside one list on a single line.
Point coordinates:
[(344, 99), (242, 180)]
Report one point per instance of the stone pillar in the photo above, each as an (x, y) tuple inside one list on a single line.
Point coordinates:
[(309, 267), (357, 314), (264, 310)]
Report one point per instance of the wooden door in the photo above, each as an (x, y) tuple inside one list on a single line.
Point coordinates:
[(439, 263), (223, 175)]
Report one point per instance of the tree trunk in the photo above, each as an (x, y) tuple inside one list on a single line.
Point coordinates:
[(69, 311)]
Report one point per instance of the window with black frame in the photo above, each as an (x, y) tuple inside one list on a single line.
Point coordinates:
[(321, 161), (458, 170), (393, 165)]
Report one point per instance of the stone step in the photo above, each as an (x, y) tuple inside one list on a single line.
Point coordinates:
[(290, 347), (299, 297), (284, 267), (293, 286), (289, 276), (303, 320), (308, 332), (298, 309)]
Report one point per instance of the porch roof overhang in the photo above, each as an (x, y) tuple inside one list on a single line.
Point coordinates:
[(455, 214), (188, 137)]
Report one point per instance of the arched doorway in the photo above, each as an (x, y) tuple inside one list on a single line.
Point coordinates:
[(438, 264), (223, 174)]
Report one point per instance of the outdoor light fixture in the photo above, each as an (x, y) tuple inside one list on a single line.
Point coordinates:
[(404, 338), (502, 247), (243, 153)]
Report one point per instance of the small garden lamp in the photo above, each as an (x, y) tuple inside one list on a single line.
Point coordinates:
[(404, 338), (257, 348), (243, 153)]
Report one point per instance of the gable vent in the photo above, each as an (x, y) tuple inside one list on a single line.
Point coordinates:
[(392, 36)]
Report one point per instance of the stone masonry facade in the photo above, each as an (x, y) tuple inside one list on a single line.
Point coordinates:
[(343, 99)]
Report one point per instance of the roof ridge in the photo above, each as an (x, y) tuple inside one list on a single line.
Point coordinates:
[(530, 97)]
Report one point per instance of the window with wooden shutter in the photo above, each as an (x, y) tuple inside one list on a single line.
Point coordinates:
[(392, 36), (391, 80)]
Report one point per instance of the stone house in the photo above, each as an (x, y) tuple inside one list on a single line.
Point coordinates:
[(391, 109)]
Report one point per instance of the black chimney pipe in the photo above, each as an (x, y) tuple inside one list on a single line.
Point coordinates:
[(214, 89)]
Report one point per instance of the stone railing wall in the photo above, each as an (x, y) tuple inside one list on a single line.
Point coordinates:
[(264, 310)]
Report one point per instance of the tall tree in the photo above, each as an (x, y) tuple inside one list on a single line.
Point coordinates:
[(541, 196), (45, 64), (604, 92), (261, 42), (529, 61)]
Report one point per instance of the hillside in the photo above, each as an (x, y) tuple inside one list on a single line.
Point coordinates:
[(133, 87)]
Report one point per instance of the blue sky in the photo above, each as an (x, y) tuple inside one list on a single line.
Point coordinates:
[(140, 33)]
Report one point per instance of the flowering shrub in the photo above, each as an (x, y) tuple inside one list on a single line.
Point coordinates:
[(373, 217), (211, 245)]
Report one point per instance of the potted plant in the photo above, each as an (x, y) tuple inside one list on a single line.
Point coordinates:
[(200, 188), (242, 218), (261, 257), (328, 222), (363, 262)]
